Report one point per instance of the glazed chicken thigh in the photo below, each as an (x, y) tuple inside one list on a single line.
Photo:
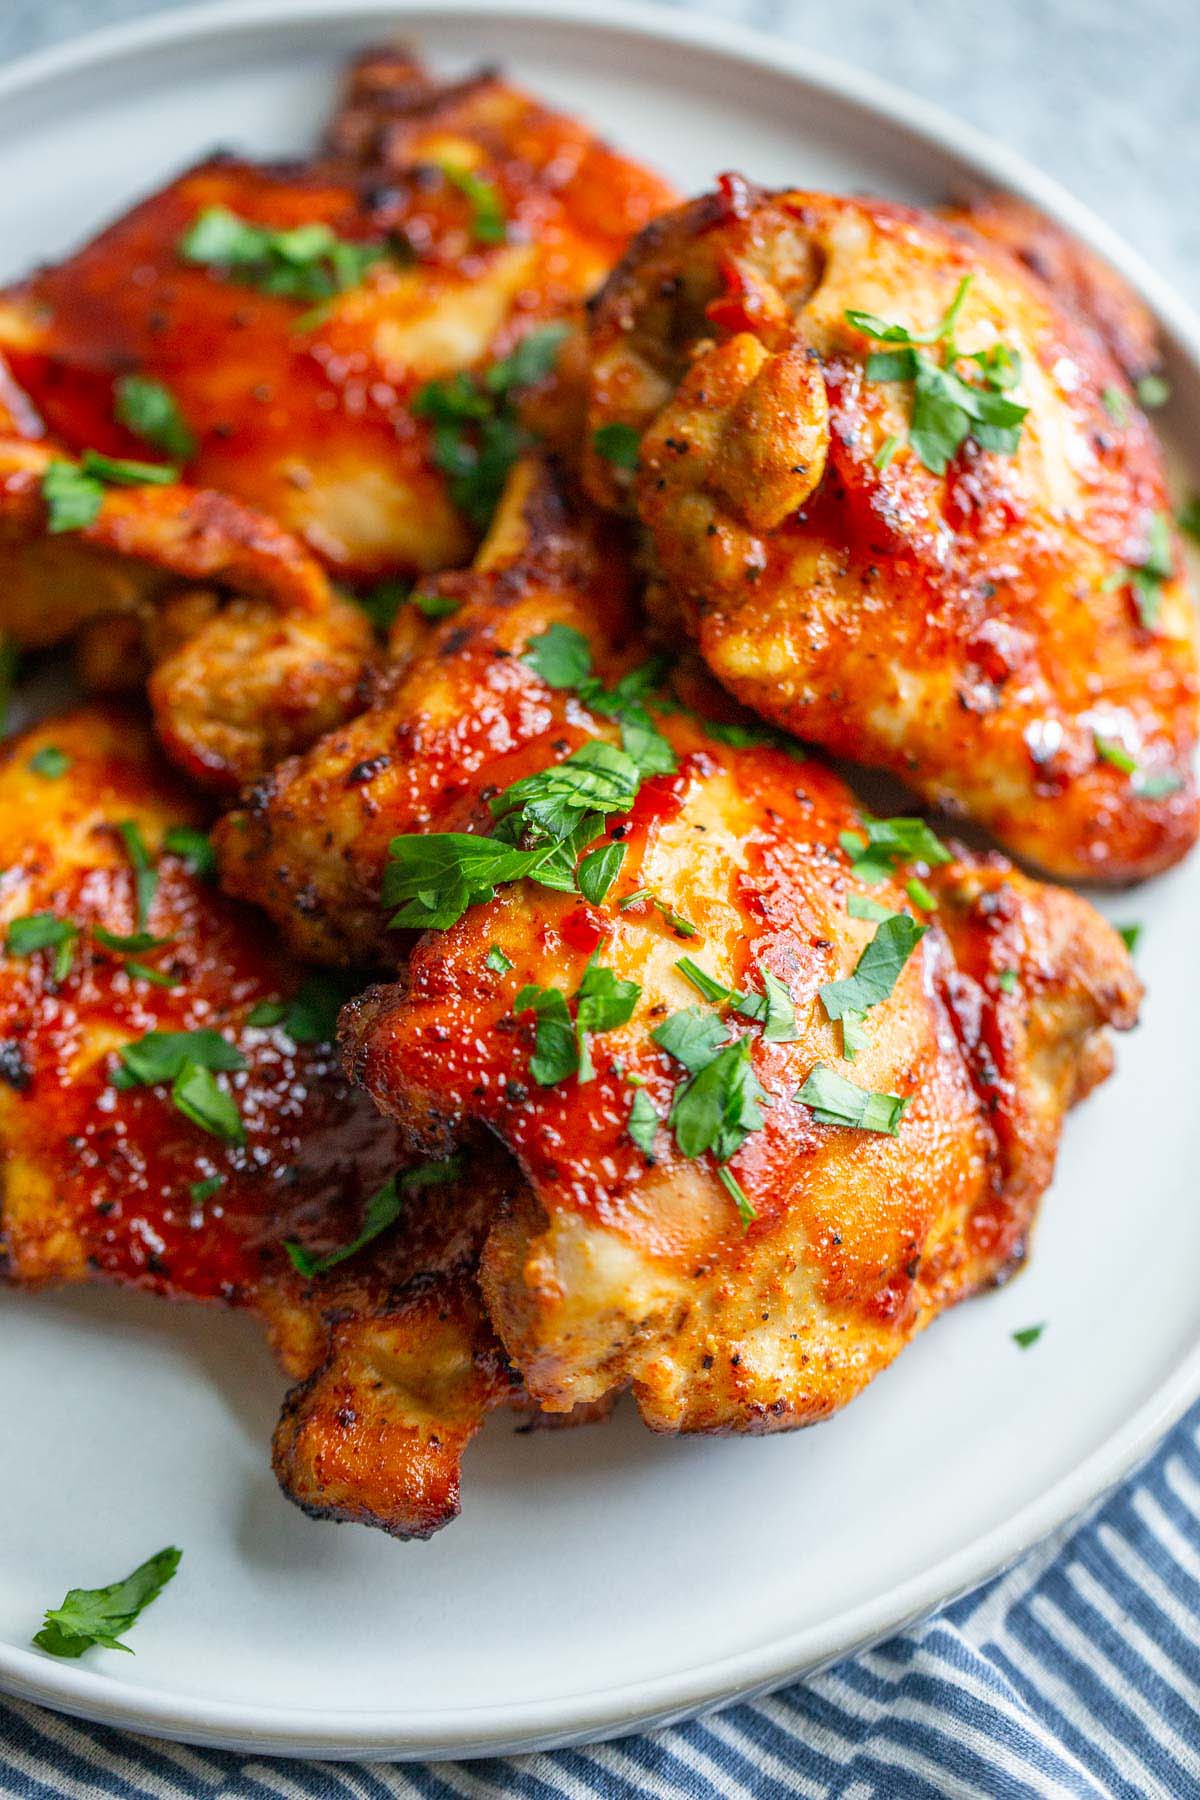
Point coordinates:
[(908, 506), (297, 315), (190, 1184), (771, 1112)]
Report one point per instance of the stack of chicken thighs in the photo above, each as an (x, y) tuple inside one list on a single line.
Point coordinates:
[(439, 922)]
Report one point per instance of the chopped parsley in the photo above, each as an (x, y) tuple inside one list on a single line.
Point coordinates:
[(887, 844), (598, 870), (149, 409), (886, 451), (193, 848), (187, 1060), (1116, 406), (311, 1015), (643, 1122), (947, 409), (562, 657), (1145, 786), (44, 931), (96, 1617), (1148, 578), (1027, 1336), (308, 262), (554, 803), (434, 606), (1188, 517), (920, 895), (874, 978), (382, 1210), (50, 762), (719, 1104), (618, 444), (145, 875), (1006, 981), (476, 433), (1130, 936), (861, 906), (774, 1007), (73, 492), (497, 962), (835, 1101), (488, 223), (200, 1191), (741, 736), (562, 1044)]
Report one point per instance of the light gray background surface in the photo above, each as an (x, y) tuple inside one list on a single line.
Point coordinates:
[(1104, 94)]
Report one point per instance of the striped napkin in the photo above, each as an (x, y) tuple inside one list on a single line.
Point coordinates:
[(1077, 1673)]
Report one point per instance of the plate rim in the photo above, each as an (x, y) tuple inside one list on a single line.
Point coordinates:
[(511, 1728)]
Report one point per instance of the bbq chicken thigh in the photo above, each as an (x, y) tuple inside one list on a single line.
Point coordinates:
[(315, 326), (771, 1112), (183, 1163), (907, 503)]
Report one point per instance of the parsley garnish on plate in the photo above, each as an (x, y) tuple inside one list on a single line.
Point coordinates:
[(193, 848), (1153, 391), (947, 408), (74, 492), (1146, 786), (562, 657), (1027, 1336), (643, 1122), (149, 409), (720, 1103), (477, 435), (145, 875), (96, 1617), (598, 870), (382, 1210), (497, 962), (311, 1015), (774, 1007), (1130, 936), (833, 1100), (307, 262), (562, 1045)]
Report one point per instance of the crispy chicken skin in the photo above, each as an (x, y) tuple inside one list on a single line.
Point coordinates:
[(305, 413), (310, 843), (249, 668), (613, 1267), (396, 1362), (977, 633)]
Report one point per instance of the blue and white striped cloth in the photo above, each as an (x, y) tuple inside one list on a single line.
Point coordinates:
[(1077, 1673)]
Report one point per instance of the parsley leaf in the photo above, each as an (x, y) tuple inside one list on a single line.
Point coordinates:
[(1116, 406), (145, 875), (618, 444), (740, 736), (598, 870), (1006, 981), (382, 1210), (643, 1122), (1153, 391), (311, 1015), (194, 848), (861, 906), (44, 931), (1130, 936), (562, 657), (149, 409), (561, 1046), (50, 762), (947, 408), (98, 1616), (195, 1093), (877, 970), (73, 492), (692, 1037), (835, 1101), (1148, 577), (476, 434), (433, 879), (741, 1199), (497, 962), (200, 1191), (719, 1105), (595, 778), (774, 1006), (161, 1056), (888, 843), (1147, 786), (1027, 1336), (487, 210), (308, 262)]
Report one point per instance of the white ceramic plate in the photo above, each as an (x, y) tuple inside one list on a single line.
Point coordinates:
[(604, 1578)]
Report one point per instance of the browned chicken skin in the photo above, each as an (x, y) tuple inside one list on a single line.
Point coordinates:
[(612, 1265), (396, 1361), (1013, 637)]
